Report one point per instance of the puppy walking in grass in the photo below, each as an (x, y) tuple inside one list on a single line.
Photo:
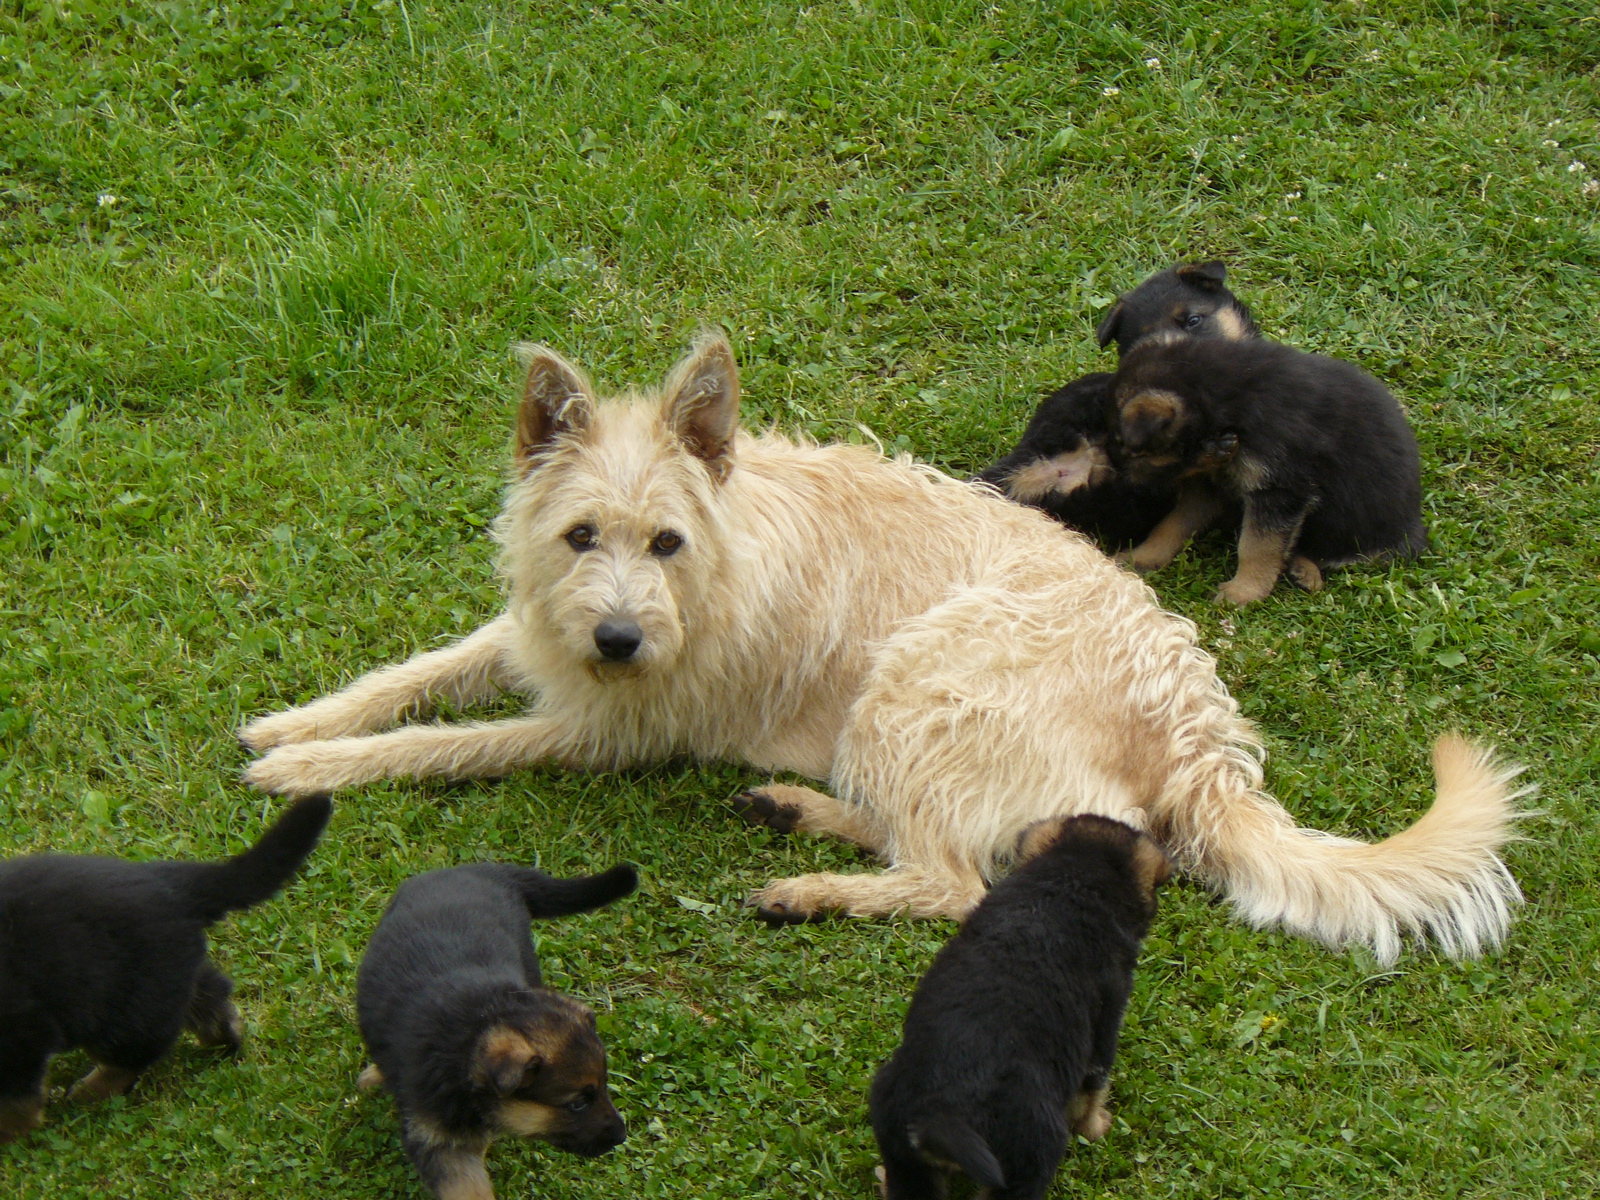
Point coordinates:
[(955, 666), (1011, 1035)]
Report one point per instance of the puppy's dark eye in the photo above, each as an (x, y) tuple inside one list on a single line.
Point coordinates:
[(666, 543), (578, 1105), (1194, 320), (581, 537)]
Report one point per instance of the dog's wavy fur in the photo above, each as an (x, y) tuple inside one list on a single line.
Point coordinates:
[(955, 666)]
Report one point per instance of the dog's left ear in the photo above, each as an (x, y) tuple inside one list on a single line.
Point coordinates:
[(505, 1061), (556, 400), (1151, 864), (1209, 276), (1147, 422), (700, 402), (1111, 325)]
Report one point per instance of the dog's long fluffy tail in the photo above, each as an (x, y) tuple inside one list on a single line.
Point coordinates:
[(215, 889), (547, 896), (949, 1137), (1441, 878)]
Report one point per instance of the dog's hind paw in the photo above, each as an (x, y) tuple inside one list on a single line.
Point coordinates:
[(1305, 573), (758, 808)]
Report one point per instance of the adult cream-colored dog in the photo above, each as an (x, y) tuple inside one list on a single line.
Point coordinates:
[(955, 666)]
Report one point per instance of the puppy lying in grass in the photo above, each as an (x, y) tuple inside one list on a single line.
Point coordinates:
[(1011, 1034), (462, 1031), (110, 956), (1061, 464), (1323, 462)]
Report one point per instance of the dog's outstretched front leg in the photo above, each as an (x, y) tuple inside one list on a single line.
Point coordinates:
[(784, 808), (1197, 507), (912, 890), (419, 751), (465, 673)]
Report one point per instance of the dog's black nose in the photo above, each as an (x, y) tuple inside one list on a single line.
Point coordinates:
[(617, 640)]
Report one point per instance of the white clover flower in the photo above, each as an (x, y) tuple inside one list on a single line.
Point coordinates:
[(1111, 91), (1575, 167), (106, 199), (1291, 197), (1380, 175), (1373, 56), (1238, 137), (1551, 142), (1591, 187), (1153, 63)]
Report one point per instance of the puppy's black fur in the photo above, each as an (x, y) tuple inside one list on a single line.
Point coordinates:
[(1325, 465), (1062, 464), (1011, 1034), (462, 1031), (110, 956)]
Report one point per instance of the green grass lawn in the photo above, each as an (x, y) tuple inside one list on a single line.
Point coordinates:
[(263, 265)]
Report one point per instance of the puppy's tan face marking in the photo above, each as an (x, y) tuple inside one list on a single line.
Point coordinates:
[(1060, 475), (1230, 324), (530, 1119)]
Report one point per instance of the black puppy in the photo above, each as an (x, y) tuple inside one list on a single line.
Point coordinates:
[(1061, 463), (110, 956), (464, 1035), (1011, 1034), (1325, 465)]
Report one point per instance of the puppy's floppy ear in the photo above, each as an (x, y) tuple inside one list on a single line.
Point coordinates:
[(1039, 837), (1111, 325), (505, 1060), (557, 401), (700, 402), (1211, 276), (1148, 420)]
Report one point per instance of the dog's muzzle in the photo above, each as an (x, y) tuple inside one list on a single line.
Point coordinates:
[(617, 641)]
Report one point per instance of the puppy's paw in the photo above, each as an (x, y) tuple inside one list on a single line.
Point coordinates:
[(280, 729), (1096, 1123), (308, 769), (758, 808), (1142, 563), (1305, 573), (1242, 591), (370, 1078), (222, 1030), (102, 1083), (20, 1117)]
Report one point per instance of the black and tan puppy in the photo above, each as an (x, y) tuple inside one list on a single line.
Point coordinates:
[(110, 956), (1011, 1034), (1061, 463), (462, 1031), (1325, 465)]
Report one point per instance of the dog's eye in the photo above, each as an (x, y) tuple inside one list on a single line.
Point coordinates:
[(666, 543), (581, 1103), (1194, 320), (581, 537)]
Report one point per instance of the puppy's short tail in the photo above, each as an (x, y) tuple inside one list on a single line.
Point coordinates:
[(1441, 878), (215, 889), (550, 897), (948, 1137)]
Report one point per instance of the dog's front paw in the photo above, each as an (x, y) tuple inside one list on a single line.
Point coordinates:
[(1305, 573), (758, 808), (1142, 563), (783, 903), (1095, 1124), (307, 769), (279, 729), (1242, 592)]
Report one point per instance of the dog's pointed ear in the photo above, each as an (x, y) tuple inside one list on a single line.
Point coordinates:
[(1039, 837), (505, 1060), (700, 402), (1210, 276), (1110, 326), (557, 401), (1147, 421)]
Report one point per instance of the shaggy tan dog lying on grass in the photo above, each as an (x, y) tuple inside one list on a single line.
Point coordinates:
[(954, 666)]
